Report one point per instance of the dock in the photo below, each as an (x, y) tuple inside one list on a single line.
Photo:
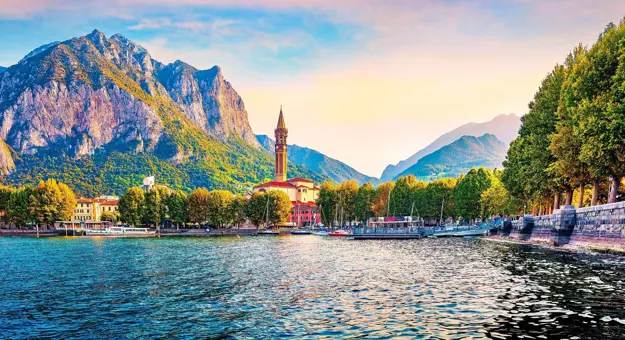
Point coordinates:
[(377, 233)]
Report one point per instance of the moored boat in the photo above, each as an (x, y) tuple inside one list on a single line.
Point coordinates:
[(121, 232), (268, 232), (300, 232), (339, 233), (320, 233)]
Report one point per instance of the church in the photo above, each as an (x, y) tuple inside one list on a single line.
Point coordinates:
[(302, 192)]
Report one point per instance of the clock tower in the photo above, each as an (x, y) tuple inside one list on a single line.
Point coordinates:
[(281, 133)]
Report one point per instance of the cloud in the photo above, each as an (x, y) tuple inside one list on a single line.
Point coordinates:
[(165, 23)]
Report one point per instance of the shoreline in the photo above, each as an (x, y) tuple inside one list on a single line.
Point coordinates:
[(572, 248)]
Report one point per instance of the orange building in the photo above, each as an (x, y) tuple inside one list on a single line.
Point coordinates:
[(302, 192)]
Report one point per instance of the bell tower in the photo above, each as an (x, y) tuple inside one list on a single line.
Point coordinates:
[(281, 133)]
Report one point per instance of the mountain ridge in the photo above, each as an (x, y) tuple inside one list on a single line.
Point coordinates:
[(505, 127), (458, 157), (318, 162), (91, 100)]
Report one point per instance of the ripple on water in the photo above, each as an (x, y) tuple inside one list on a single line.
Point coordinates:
[(304, 287)]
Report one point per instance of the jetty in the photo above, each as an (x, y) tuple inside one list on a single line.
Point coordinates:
[(369, 233)]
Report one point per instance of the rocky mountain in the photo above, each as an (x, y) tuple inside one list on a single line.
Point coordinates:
[(2, 69), (459, 157), (39, 50), (92, 100), (504, 127), (318, 162)]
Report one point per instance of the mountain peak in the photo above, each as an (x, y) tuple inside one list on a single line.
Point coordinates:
[(504, 127), (96, 35)]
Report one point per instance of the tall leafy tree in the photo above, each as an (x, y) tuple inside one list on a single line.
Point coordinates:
[(132, 206), (529, 159), (177, 203), (237, 210), (363, 202), (219, 205), (438, 194), (347, 192), (601, 111), (18, 207), (68, 202), (152, 207), (402, 196), (380, 205), (5, 195), (47, 203), (279, 206), (495, 200), (256, 209), (469, 191), (199, 205), (328, 202)]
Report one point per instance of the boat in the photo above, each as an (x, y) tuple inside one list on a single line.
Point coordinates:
[(268, 232), (121, 231), (339, 233), (300, 232), (320, 233)]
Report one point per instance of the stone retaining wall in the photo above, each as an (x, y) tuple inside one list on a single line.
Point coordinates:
[(601, 226)]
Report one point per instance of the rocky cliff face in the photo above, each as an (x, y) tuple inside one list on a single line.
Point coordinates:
[(95, 92), (208, 100)]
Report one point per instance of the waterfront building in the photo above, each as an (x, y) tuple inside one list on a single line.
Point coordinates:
[(91, 209), (302, 192)]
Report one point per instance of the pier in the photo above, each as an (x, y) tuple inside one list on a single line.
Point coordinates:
[(406, 233)]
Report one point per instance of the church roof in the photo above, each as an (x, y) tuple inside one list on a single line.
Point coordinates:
[(299, 179), (275, 184), (281, 124)]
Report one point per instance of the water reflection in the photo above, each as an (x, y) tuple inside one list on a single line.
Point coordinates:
[(305, 287)]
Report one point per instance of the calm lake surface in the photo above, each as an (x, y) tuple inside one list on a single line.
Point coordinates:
[(305, 287)]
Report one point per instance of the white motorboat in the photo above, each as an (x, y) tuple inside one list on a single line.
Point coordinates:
[(121, 231)]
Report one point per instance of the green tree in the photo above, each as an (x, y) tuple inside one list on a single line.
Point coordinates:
[(68, 202), (279, 206), (237, 210), (404, 195), (163, 193), (256, 207), (363, 202), (439, 194), (109, 216), (602, 108), (47, 203), (199, 205), (495, 200), (132, 206), (347, 192), (469, 191), (328, 202), (529, 159), (153, 208), (5, 196), (18, 208), (177, 204), (219, 205)]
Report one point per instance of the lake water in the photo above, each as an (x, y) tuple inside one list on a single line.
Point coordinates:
[(305, 287)]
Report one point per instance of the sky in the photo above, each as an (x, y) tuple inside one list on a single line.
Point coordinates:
[(368, 82)]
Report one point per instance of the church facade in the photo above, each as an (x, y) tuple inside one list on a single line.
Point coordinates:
[(302, 192)]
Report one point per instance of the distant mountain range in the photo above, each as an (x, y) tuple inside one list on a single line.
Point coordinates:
[(504, 127), (100, 113), (318, 162), (459, 157)]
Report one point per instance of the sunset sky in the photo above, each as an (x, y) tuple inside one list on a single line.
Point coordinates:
[(368, 82)]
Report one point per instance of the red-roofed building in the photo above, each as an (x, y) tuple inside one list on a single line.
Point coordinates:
[(302, 192)]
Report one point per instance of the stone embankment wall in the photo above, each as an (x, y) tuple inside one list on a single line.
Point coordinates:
[(601, 226)]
